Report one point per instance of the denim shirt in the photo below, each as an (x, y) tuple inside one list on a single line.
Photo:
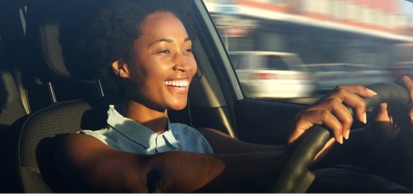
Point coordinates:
[(130, 136)]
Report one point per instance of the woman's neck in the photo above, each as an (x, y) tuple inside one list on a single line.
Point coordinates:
[(155, 120)]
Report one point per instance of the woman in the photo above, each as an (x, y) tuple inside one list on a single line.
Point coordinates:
[(145, 53)]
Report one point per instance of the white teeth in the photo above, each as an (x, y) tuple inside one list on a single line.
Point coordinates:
[(178, 83)]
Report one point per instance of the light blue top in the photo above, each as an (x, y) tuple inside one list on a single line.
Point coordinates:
[(130, 136)]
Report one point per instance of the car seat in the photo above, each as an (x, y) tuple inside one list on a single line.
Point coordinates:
[(30, 145), (13, 100)]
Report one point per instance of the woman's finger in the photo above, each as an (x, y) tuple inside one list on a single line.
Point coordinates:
[(309, 118), (352, 97), (332, 112)]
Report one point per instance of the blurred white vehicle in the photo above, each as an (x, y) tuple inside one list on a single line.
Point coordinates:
[(327, 76), (265, 74)]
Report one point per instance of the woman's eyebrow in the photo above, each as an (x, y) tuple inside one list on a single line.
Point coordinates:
[(168, 40), (161, 40)]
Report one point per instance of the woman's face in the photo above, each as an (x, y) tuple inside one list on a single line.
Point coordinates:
[(164, 64)]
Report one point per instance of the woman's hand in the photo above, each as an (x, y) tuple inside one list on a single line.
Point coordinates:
[(331, 112), (389, 118)]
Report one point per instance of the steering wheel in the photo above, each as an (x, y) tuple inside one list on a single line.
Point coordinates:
[(295, 175)]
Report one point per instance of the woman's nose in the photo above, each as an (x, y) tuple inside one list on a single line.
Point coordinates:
[(182, 63)]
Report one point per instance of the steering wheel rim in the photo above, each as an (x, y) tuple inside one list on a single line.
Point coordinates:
[(295, 175)]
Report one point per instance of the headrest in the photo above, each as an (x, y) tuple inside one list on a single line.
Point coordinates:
[(44, 48)]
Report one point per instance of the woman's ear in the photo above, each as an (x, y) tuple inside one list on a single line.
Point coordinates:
[(121, 69)]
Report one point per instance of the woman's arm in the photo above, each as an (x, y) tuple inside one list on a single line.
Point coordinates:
[(91, 166)]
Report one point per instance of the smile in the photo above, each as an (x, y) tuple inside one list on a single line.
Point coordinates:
[(177, 83)]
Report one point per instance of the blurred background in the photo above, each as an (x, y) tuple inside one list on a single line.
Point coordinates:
[(299, 49)]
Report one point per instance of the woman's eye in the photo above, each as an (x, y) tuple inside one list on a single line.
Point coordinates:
[(188, 50), (164, 52)]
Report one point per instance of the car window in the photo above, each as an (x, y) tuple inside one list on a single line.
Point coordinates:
[(275, 62), (335, 41)]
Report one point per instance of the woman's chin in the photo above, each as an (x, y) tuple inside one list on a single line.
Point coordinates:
[(177, 107)]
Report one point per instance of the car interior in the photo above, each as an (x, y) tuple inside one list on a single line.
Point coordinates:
[(39, 86), (42, 99)]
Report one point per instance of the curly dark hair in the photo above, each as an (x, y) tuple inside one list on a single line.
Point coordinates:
[(103, 31)]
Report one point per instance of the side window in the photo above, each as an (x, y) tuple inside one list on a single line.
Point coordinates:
[(324, 35), (276, 63)]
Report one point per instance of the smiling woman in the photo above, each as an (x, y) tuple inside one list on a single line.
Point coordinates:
[(164, 57), (147, 55)]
